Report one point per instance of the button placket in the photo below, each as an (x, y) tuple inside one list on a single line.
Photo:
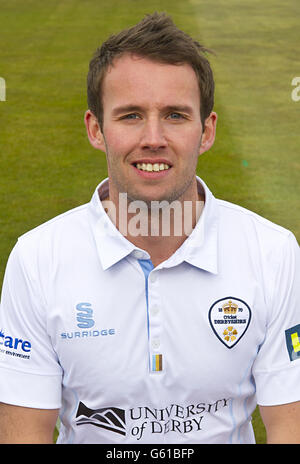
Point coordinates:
[(155, 324)]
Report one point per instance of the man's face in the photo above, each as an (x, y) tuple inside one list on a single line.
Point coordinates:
[(152, 131)]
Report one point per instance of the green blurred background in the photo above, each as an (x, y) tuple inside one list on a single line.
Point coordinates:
[(47, 165)]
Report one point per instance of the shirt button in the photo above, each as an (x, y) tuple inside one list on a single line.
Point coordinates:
[(152, 277), (155, 343), (138, 254), (155, 310)]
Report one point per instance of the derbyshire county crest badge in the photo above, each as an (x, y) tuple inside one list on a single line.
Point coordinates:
[(229, 318)]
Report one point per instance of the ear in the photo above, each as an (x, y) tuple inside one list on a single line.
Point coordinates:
[(209, 132), (94, 132)]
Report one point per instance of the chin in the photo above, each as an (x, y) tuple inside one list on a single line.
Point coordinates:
[(148, 198)]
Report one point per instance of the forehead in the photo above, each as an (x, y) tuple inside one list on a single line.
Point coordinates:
[(133, 77)]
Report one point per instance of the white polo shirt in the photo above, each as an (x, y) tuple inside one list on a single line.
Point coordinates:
[(179, 354)]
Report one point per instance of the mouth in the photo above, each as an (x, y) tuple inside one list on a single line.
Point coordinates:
[(152, 167)]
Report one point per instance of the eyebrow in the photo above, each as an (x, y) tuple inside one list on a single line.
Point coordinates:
[(180, 108), (125, 109), (167, 109)]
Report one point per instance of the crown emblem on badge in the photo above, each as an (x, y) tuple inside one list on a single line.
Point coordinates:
[(230, 308)]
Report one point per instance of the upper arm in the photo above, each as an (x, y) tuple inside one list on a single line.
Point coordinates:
[(30, 372), (282, 423), (26, 425)]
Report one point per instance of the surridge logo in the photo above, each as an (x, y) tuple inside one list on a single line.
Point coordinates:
[(85, 315), (85, 322)]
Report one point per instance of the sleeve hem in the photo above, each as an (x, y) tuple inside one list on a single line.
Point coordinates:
[(30, 390), (278, 387)]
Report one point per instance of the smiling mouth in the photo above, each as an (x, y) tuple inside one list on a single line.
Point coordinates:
[(150, 167)]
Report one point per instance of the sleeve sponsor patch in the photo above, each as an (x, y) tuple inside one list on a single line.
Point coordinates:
[(292, 337)]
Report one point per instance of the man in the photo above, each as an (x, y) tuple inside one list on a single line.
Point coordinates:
[(134, 332)]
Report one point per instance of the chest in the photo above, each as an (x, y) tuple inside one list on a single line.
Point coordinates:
[(121, 327)]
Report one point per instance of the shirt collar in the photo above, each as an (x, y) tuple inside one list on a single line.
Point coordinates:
[(199, 249)]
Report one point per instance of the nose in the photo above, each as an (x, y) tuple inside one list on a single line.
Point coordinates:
[(153, 137)]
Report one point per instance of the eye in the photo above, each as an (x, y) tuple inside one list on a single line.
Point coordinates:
[(130, 116), (175, 116)]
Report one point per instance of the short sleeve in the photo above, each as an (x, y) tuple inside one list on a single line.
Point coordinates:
[(277, 367), (29, 369)]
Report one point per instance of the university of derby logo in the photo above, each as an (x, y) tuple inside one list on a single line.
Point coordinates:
[(112, 419), (229, 318)]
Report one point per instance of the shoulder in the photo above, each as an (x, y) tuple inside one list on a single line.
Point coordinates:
[(62, 221), (234, 215), (59, 232), (262, 238)]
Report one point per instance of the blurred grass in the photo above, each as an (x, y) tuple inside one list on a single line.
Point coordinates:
[(255, 161), (47, 165), (259, 428)]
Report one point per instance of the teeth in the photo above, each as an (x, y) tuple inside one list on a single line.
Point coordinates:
[(152, 167)]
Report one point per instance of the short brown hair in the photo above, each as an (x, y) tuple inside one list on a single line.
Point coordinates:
[(157, 38)]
